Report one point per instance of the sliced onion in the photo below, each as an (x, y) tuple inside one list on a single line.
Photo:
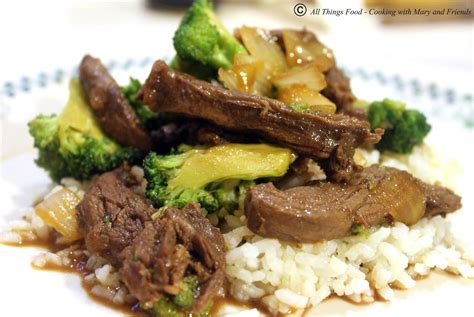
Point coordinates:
[(264, 47), (59, 211), (308, 75), (302, 95), (229, 79), (248, 74), (303, 48)]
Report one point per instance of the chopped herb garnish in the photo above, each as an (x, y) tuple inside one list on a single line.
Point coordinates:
[(371, 185), (302, 107), (359, 230), (158, 213), (107, 219), (274, 92)]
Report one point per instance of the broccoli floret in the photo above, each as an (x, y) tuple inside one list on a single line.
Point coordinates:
[(72, 144), (229, 192), (166, 308), (159, 169), (214, 177), (206, 312), (193, 68), (179, 305), (404, 128), (186, 296), (201, 37), (149, 119)]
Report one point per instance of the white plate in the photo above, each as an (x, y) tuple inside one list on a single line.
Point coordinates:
[(28, 292)]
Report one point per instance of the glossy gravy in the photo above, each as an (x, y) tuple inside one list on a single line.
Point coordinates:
[(78, 267)]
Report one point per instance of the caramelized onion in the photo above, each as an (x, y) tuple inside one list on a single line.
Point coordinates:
[(308, 98), (261, 45), (308, 75), (247, 74), (229, 79), (302, 49), (59, 211), (298, 77)]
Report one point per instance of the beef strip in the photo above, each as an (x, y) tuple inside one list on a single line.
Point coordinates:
[(373, 196), (440, 200), (338, 90), (179, 243), (317, 135), (112, 109), (111, 214)]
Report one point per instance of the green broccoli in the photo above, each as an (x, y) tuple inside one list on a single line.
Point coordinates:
[(72, 143), (176, 306), (404, 128), (148, 118), (215, 177), (159, 169), (186, 296), (201, 37), (193, 68), (166, 308)]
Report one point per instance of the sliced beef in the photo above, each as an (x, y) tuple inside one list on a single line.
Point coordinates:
[(341, 162), (440, 200), (112, 109), (179, 243), (111, 214), (373, 196), (317, 135), (338, 90), (153, 255)]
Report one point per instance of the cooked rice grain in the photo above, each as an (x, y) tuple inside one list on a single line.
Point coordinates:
[(289, 275)]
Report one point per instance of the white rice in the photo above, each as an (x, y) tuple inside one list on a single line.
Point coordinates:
[(29, 228), (290, 277), (295, 278)]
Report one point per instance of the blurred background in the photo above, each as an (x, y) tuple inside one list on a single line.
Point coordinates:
[(41, 35)]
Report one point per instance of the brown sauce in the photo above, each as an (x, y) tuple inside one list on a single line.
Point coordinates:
[(78, 267), (49, 244)]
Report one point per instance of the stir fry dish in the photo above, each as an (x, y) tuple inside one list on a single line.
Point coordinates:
[(241, 169)]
